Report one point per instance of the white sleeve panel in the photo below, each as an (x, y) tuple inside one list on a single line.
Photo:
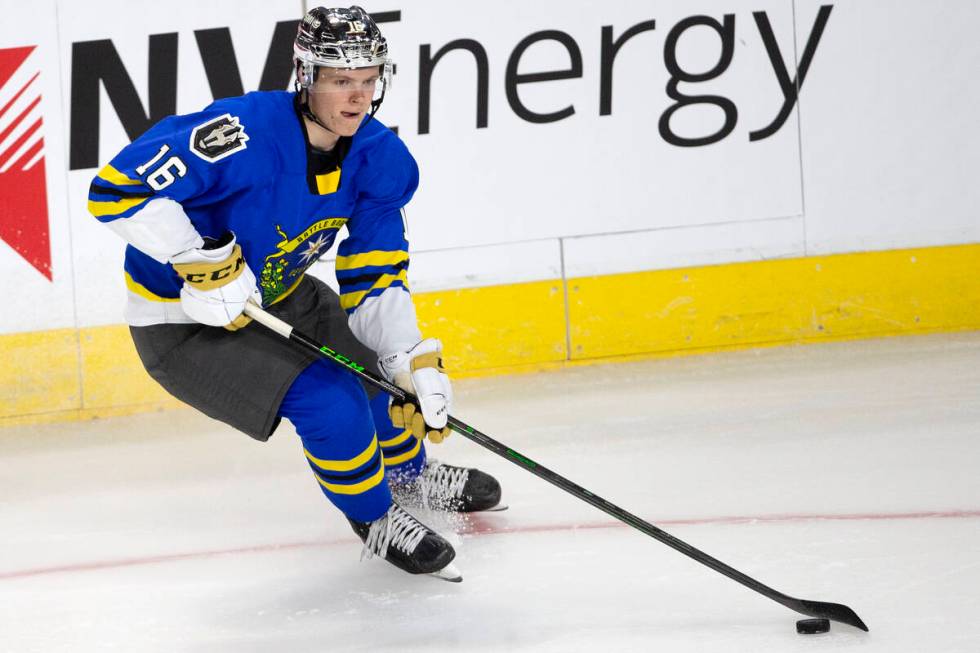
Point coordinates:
[(160, 229), (386, 323)]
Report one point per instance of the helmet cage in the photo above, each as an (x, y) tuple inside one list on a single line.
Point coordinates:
[(307, 73)]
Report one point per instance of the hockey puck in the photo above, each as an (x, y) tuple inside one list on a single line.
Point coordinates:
[(812, 626)]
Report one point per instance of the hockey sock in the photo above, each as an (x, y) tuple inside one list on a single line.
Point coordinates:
[(331, 413), (404, 454)]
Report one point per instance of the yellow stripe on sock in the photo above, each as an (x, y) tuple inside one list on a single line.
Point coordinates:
[(357, 488), (408, 455), (398, 439), (345, 465)]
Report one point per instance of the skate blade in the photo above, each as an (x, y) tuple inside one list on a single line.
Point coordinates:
[(500, 507), (448, 573)]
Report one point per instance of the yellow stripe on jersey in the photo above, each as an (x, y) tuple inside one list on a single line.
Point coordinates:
[(398, 439), (345, 465), (374, 259), (113, 176), (139, 289), (408, 455), (357, 488), (328, 183), (352, 299), (99, 209)]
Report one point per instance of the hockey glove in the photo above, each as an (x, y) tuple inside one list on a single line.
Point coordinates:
[(419, 370), (217, 283)]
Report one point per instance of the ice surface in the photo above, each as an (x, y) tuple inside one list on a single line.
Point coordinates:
[(845, 472)]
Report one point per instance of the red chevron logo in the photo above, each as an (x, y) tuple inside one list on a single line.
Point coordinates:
[(23, 190)]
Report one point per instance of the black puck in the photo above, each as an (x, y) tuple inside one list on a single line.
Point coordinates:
[(812, 626)]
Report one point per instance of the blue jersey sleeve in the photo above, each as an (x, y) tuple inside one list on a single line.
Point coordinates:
[(374, 257)]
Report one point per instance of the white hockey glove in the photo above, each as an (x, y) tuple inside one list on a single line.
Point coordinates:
[(419, 370), (217, 283)]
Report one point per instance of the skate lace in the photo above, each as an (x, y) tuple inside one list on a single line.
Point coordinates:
[(444, 481), (398, 529)]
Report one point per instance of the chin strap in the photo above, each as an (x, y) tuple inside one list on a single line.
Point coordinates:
[(304, 107)]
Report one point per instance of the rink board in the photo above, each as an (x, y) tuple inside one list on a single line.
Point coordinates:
[(94, 372), (621, 225)]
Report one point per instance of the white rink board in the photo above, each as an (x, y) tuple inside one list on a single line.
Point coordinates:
[(590, 174), (891, 145), (31, 300), (879, 152), (712, 244)]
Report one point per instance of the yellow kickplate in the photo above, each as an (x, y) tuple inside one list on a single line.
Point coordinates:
[(496, 326), (112, 374), (790, 300), (39, 372), (67, 374)]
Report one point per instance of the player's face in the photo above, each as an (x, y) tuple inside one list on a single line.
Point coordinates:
[(341, 98)]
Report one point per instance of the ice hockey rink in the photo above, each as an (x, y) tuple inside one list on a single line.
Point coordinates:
[(843, 472)]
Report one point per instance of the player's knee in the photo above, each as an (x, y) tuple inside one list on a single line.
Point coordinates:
[(323, 402)]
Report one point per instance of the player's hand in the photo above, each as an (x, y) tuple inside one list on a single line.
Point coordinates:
[(419, 370), (217, 283)]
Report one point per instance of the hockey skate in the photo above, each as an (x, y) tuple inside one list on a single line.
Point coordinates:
[(408, 544), (450, 488)]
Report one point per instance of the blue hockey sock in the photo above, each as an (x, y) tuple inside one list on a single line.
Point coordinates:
[(404, 455), (332, 416)]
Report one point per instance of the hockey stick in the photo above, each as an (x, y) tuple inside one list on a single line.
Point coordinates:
[(832, 611)]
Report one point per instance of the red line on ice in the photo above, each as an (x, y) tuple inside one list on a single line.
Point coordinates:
[(481, 525)]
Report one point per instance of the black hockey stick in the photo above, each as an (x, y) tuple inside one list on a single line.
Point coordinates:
[(832, 611)]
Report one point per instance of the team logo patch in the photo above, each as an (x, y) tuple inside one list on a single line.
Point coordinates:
[(218, 138), (294, 255)]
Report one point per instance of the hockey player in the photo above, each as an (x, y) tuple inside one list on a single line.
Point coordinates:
[(233, 204)]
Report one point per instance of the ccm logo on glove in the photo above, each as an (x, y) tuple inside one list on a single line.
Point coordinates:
[(208, 276), (217, 283)]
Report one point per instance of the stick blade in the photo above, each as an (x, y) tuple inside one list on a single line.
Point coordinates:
[(833, 611)]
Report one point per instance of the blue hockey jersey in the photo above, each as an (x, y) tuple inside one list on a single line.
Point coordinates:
[(242, 165)]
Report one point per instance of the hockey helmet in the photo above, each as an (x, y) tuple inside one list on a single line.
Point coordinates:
[(346, 38)]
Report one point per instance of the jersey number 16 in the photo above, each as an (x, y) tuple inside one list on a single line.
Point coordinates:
[(166, 173)]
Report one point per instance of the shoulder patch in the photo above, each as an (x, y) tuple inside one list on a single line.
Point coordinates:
[(218, 138)]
